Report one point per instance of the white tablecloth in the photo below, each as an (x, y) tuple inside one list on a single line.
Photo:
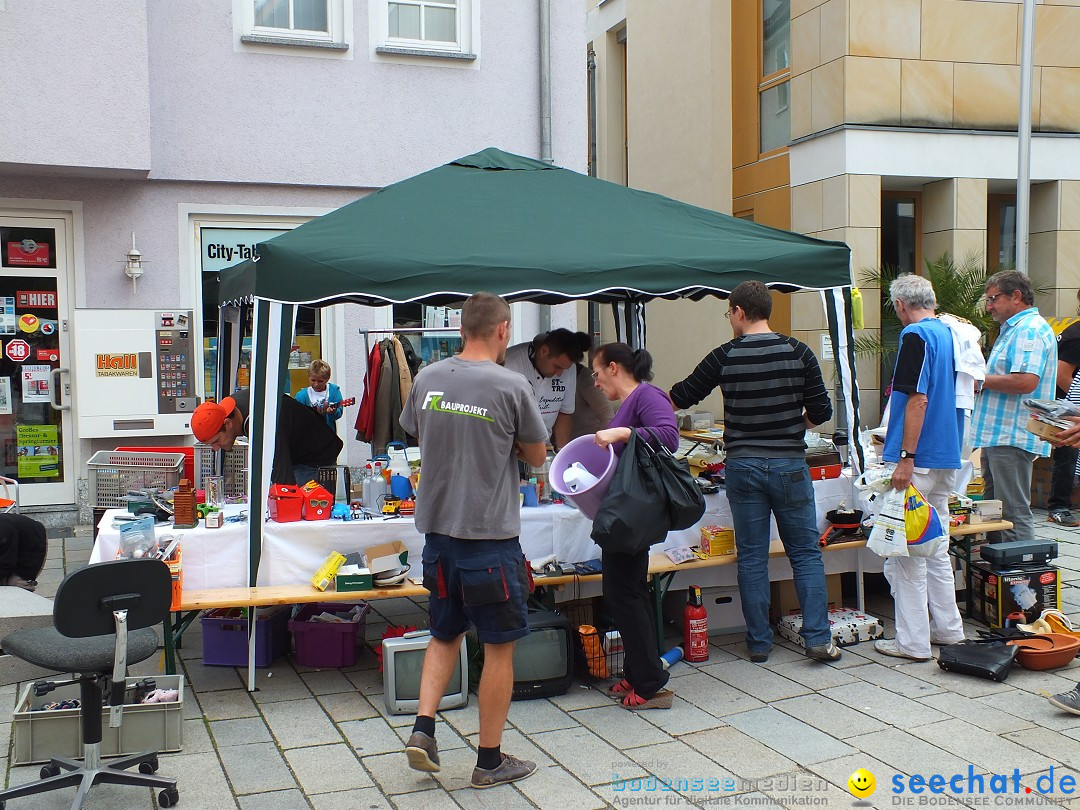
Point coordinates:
[(218, 558)]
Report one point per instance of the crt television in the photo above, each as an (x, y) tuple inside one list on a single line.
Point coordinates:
[(544, 659), (403, 661)]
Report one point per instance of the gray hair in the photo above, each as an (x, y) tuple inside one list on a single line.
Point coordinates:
[(915, 291), (1009, 281)]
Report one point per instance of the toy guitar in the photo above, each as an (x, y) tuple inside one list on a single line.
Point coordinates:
[(321, 407)]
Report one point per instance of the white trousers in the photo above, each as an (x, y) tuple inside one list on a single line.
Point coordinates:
[(923, 587)]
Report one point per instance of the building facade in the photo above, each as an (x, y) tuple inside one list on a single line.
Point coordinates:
[(188, 132), (887, 124)]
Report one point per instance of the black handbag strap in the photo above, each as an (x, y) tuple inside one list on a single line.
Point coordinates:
[(660, 448)]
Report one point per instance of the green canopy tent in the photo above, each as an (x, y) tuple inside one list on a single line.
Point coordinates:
[(528, 231)]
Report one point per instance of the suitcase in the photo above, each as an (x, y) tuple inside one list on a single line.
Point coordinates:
[(848, 627)]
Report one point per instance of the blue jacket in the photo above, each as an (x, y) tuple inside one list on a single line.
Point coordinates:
[(334, 397)]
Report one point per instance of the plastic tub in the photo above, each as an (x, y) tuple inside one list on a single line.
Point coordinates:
[(225, 636), (327, 645), (599, 462), (1047, 651)]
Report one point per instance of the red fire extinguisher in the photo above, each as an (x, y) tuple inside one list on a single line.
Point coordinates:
[(695, 627)]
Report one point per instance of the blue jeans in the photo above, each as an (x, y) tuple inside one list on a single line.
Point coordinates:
[(757, 487)]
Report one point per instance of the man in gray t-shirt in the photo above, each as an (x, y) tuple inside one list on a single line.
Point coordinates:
[(474, 419)]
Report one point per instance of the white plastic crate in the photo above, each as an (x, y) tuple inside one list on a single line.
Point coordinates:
[(111, 474), (234, 467)]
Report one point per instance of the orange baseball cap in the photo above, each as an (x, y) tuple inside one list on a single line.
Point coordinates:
[(208, 418)]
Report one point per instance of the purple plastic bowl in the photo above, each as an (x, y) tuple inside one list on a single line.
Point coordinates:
[(600, 462)]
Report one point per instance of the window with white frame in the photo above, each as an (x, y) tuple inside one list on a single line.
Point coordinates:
[(319, 23), (427, 27)]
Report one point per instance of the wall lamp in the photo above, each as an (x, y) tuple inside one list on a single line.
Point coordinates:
[(133, 266)]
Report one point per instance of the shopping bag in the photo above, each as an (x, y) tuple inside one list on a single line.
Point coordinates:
[(685, 500), (922, 524), (888, 538), (634, 513)]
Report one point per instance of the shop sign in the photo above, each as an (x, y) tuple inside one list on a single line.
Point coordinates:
[(117, 365), (36, 299), (28, 253), (48, 355)]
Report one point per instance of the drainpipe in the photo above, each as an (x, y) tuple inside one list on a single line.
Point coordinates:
[(545, 81)]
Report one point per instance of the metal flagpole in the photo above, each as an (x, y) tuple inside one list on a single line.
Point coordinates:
[(1023, 173)]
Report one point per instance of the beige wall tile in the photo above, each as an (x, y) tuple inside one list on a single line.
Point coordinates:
[(864, 193), (1068, 259), (869, 407), (986, 95), (1064, 303), (969, 243), (1055, 36), (806, 207), (802, 99), (865, 249), (939, 206), (926, 93), (1042, 258), (807, 313), (834, 30), (1060, 108), (872, 94), (885, 28), (936, 243), (871, 306), (828, 96), (802, 6), (805, 42), (971, 203), (867, 370), (1070, 204), (965, 31), (1045, 204), (834, 202)]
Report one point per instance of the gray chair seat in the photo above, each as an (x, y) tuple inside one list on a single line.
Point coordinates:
[(48, 648)]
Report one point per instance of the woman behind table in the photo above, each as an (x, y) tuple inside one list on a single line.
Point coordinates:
[(592, 410), (623, 373)]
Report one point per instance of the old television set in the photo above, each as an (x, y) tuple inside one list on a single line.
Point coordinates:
[(544, 659), (403, 661)]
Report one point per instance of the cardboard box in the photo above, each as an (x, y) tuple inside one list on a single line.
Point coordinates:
[(998, 593), (723, 609), (989, 509), (717, 541), (322, 578), (386, 557), (353, 578), (784, 602), (1044, 430)]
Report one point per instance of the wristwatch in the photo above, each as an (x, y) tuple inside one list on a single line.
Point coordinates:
[(905, 454)]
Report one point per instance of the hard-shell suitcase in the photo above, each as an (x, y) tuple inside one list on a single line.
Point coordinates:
[(848, 627)]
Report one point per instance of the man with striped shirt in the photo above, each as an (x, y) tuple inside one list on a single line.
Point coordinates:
[(1022, 365), (773, 392)]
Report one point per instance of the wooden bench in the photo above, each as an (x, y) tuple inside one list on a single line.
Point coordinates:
[(961, 539)]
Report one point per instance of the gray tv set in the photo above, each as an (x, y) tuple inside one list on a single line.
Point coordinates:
[(403, 661)]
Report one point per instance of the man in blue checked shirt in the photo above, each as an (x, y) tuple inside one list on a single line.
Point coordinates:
[(1022, 365)]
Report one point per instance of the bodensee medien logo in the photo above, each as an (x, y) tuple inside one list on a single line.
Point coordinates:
[(434, 402)]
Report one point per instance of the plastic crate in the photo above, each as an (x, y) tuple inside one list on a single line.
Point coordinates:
[(327, 644), (225, 636), (234, 468), (41, 735), (111, 474)]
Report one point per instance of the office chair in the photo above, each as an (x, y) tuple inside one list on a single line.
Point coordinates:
[(104, 617)]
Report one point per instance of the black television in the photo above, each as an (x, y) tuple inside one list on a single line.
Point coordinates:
[(544, 659)]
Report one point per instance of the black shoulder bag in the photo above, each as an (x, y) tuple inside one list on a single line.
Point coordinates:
[(984, 658)]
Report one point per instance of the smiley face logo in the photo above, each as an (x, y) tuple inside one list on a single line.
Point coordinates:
[(28, 322), (861, 783)]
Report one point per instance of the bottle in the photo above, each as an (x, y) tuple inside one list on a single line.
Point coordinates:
[(243, 371), (671, 657), (695, 627), (378, 487), (365, 488)]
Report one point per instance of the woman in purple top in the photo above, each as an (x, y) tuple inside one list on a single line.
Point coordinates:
[(623, 373)]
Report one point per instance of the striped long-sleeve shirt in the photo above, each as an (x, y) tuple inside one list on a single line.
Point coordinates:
[(768, 381)]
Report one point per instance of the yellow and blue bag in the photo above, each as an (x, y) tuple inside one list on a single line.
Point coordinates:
[(922, 525)]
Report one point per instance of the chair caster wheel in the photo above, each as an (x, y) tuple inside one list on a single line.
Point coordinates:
[(167, 797), (150, 766), (47, 771)]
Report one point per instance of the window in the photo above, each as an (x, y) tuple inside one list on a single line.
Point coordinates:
[(1001, 231), (306, 23), (900, 232), (774, 113), (427, 28)]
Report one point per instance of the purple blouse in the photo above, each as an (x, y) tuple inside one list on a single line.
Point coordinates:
[(647, 406)]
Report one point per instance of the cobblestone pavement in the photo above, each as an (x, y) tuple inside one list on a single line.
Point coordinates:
[(788, 733)]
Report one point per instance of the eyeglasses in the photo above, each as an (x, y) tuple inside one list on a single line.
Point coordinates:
[(595, 375), (728, 313), (992, 298)]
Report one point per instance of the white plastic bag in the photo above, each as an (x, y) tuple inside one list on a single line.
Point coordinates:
[(888, 538)]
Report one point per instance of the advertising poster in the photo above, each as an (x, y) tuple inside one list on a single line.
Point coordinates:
[(38, 449), (35, 383), (8, 319), (5, 396)]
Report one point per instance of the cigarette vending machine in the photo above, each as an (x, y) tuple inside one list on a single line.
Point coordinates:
[(135, 372)]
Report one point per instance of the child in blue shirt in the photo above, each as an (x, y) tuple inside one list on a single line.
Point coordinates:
[(322, 395)]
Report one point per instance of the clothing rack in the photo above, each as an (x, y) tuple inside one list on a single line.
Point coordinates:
[(407, 330)]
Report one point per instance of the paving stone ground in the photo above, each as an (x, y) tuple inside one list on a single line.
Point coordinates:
[(786, 734)]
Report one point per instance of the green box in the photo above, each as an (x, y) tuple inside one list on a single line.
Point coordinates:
[(359, 579)]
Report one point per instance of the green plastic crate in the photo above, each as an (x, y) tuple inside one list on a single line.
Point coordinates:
[(41, 735)]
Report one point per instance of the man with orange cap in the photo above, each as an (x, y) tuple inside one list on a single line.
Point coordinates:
[(303, 441)]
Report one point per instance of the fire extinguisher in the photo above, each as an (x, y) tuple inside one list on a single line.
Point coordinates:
[(695, 627)]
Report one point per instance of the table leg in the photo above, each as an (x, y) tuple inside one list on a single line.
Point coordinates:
[(659, 585), (175, 626), (860, 588)]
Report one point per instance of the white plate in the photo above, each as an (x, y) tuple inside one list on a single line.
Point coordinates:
[(391, 577)]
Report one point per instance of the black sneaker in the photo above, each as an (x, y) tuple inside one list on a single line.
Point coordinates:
[(423, 753), (509, 770), (823, 652), (759, 657), (1069, 701), (1063, 517)]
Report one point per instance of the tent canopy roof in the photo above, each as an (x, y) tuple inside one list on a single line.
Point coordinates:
[(527, 231)]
